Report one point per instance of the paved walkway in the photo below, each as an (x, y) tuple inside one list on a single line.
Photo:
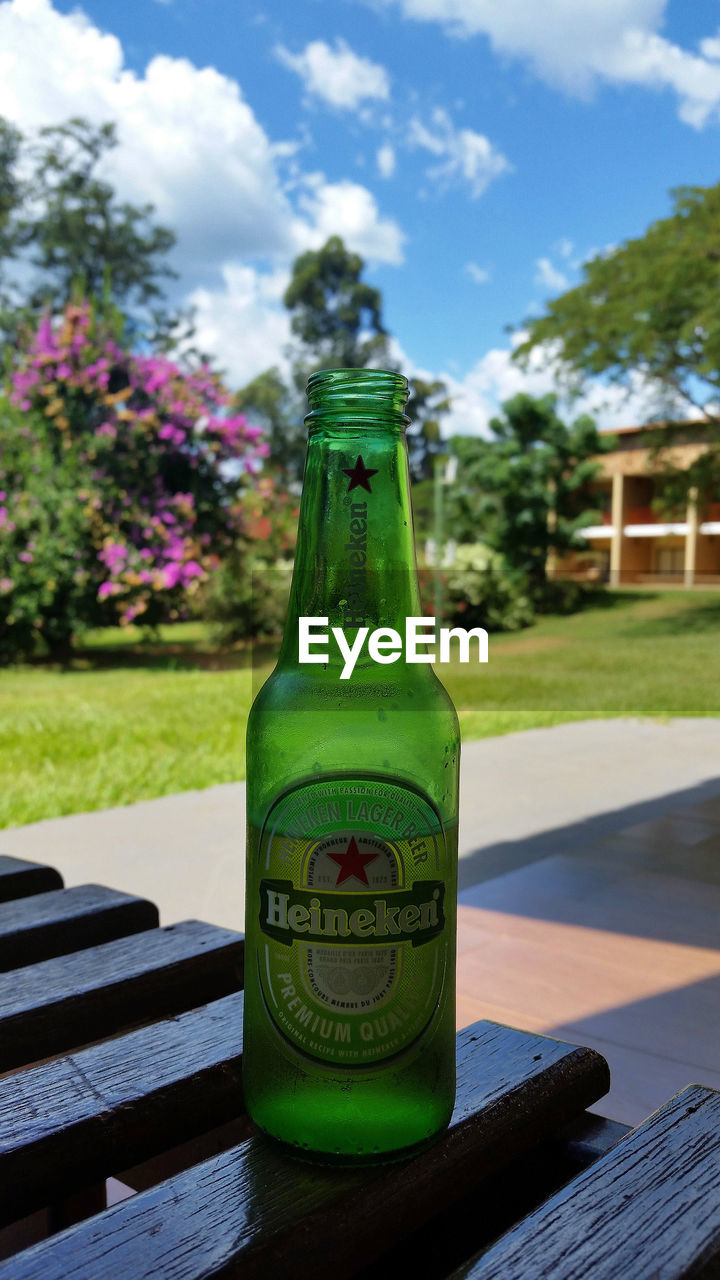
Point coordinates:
[(590, 887), (617, 946), (524, 796)]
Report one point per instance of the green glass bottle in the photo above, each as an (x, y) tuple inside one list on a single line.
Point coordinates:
[(352, 803)]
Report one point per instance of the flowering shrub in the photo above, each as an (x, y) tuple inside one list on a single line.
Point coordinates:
[(482, 592), (249, 593), (122, 478)]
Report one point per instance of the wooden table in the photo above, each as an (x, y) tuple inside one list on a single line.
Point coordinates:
[(120, 1057)]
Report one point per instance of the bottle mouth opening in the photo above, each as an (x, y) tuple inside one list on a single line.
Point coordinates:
[(357, 393)]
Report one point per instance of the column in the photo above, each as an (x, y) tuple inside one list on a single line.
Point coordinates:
[(691, 537), (618, 519)]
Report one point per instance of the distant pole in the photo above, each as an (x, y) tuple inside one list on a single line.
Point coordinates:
[(438, 495), (445, 471)]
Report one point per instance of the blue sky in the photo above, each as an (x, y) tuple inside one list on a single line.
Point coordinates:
[(474, 152)]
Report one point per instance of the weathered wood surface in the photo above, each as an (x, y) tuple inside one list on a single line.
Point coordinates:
[(482, 1214), (649, 1210), (253, 1212), (19, 879), (64, 920), (81, 1118), (58, 1004)]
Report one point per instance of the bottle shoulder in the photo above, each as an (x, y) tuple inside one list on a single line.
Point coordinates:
[(300, 729), (294, 689)]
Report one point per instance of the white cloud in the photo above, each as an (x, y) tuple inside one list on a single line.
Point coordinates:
[(496, 377), (480, 275), (565, 247), (330, 205), (190, 145), (575, 44), (548, 276), (338, 76), (710, 48), (386, 160), (463, 154), (243, 322)]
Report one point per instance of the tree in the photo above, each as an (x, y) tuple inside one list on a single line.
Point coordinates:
[(121, 482), (11, 189), (427, 405), (278, 409), (651, 306), (67, 222), (528, 486), (337, 320), (336, 316)]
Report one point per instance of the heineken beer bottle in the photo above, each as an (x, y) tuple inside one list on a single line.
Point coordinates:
[(352, 800)]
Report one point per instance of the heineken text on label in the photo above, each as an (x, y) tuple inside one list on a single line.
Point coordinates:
[(356, 925)]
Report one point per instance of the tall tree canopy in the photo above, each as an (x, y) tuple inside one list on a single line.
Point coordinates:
[(427, 405), (650, 306), (335, 315), (62, 218), (336, 318), (279, 409), (525, 491)]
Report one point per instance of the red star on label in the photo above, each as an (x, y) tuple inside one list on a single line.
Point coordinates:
[(352, 863), (359, 475)]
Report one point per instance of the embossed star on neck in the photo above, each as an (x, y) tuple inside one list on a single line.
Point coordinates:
[(359, 475)]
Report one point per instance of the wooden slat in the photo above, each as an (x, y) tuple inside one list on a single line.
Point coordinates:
[(649, 1209), (254, 1212), (19, 879), (71, 1000), (78, 1119), (480, 1216), (65, 920)]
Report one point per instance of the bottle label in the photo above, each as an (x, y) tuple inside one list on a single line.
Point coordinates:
[(352, 917)]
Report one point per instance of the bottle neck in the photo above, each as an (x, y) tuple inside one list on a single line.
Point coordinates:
[(355, 559)]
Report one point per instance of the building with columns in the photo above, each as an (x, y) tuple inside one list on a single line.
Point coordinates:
[(634, 543)]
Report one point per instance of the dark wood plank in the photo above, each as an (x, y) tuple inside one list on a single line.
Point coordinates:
[(19, 879), (65, 920), (449, 1238), (71, 1000), (254, 1212), (79, 1119), (648, 1209)]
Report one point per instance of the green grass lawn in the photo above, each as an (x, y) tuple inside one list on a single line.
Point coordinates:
[(134, 719)]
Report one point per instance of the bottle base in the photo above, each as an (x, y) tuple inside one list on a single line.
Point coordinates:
[(349, 1159)]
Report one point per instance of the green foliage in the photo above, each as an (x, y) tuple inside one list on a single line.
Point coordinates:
[(247, 596), (481, 593), (526, 491), (336, 316), (651, 306), (337, 321), (11, 189), (278, 409), (122, 481), (427, 405), (72, 228), (44, 571)]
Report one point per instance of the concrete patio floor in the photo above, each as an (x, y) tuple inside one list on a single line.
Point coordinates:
[(590, 887)]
